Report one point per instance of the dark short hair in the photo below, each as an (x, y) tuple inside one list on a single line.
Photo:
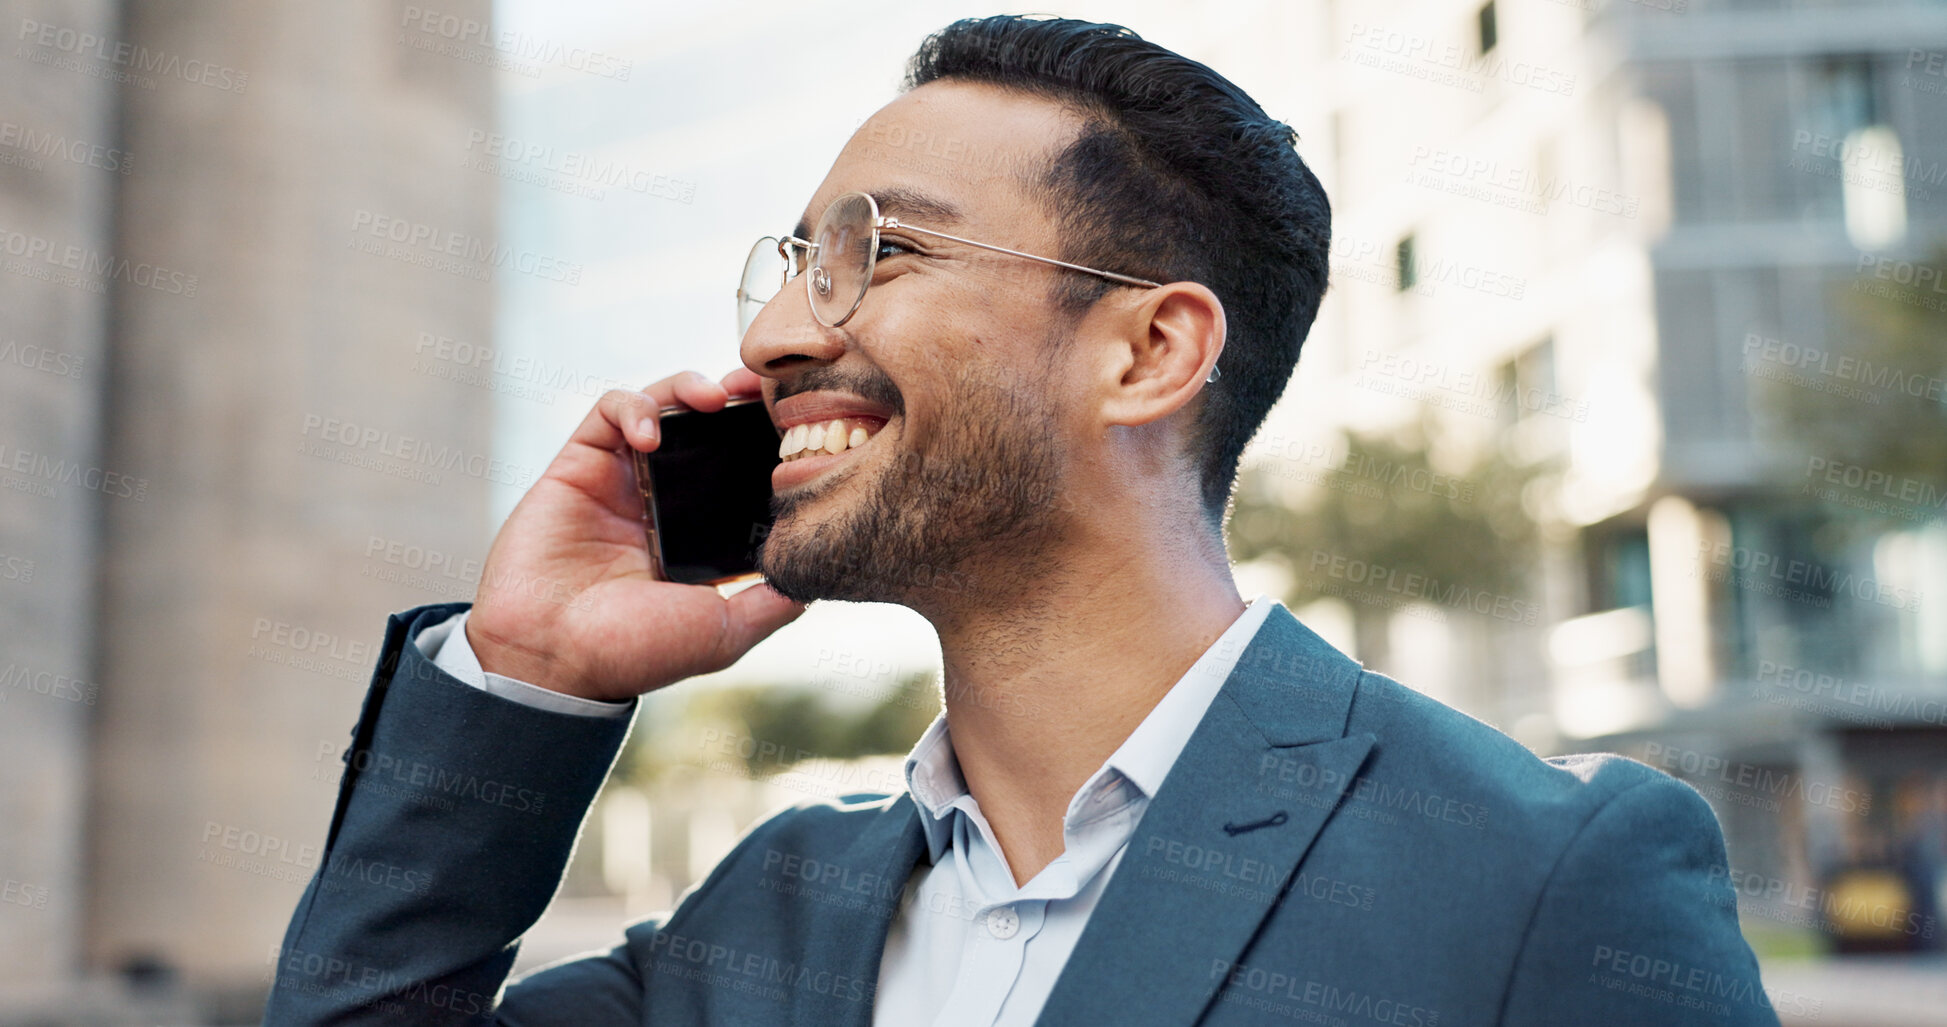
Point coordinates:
[(1177, 175)]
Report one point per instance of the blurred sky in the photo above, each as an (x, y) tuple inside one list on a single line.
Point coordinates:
[(749, 100)]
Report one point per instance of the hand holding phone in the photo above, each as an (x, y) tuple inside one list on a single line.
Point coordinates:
[(569, 599)]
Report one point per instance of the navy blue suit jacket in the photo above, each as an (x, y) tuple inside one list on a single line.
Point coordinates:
[(1331, 847)]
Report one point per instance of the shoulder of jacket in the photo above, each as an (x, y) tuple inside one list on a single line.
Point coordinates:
[(1420, 737)]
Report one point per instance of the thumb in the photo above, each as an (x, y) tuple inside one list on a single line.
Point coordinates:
[(753, 614)]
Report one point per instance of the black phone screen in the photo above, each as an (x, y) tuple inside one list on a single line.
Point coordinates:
[(709, 491)]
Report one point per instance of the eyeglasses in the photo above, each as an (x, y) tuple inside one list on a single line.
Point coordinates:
[(840, 255)]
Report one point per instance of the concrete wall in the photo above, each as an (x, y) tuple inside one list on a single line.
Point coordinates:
[(253, 383), (53, 350)]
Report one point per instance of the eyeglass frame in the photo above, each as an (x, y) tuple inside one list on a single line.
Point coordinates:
[(879, 221)]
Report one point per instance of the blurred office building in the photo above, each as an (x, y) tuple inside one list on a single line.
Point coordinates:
[(1662, 279), (212, 440)]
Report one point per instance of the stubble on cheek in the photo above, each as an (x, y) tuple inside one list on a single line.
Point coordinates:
[(937, 504)]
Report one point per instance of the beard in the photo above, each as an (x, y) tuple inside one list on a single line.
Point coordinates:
[(965, 514)]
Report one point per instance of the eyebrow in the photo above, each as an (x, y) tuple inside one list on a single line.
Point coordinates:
[(904, 203)]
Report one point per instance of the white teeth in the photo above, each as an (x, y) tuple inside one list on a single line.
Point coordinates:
[(830, 437)]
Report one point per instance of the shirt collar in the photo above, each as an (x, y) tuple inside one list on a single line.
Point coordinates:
[(1144, 758)]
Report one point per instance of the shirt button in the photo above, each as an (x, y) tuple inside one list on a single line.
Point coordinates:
[(1003, 923)]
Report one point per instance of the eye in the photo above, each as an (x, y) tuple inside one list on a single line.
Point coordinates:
[(890, 247)]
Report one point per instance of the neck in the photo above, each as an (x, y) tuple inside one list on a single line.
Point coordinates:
[(1042, 686)]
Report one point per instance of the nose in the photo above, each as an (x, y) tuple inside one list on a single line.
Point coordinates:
[(784, 335)]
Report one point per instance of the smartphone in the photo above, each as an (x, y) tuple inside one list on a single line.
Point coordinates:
[(706, 492)]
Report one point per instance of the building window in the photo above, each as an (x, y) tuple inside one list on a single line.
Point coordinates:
[(1527, 385), (1409, 268), (1490, 30)]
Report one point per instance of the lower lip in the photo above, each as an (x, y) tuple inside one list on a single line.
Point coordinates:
[(805, 468)]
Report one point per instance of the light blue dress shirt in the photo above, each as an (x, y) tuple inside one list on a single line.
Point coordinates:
[(968, 945)]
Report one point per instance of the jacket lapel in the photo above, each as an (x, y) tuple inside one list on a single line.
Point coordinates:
[(850, 941), (1257, 781)]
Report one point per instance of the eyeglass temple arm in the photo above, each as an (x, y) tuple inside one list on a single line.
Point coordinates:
[(1125, 279)]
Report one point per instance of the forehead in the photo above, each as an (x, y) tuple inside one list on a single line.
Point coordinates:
[(950, 153)]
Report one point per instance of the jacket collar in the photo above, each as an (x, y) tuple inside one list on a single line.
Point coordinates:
[(1143, 760), (1259, 777)]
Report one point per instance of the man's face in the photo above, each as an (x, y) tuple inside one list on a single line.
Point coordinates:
[(951, 370)]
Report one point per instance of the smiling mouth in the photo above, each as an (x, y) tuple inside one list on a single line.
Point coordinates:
[(827, 438)]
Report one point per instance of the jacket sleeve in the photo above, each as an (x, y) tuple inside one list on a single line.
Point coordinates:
[(455, 818), (1638, 923)]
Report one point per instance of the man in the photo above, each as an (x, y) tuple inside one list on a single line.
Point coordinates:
[(1146, 802)]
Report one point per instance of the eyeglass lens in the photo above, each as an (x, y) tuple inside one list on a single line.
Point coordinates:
[(841, 258), (839, 270)]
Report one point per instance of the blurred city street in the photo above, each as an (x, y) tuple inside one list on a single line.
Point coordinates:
[(1622, 428)]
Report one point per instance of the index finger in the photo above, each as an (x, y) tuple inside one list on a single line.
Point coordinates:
[(743, 382)]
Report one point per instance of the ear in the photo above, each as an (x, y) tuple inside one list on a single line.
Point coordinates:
[(1161, 352)]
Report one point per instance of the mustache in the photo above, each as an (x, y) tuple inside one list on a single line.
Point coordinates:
[(876, 388)]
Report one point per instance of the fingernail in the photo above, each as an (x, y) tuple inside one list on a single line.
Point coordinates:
[(647, 426)]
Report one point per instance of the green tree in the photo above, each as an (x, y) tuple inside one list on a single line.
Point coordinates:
[(1385, 504)]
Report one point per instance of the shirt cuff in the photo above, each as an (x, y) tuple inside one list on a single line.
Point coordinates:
[(446, 645)]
